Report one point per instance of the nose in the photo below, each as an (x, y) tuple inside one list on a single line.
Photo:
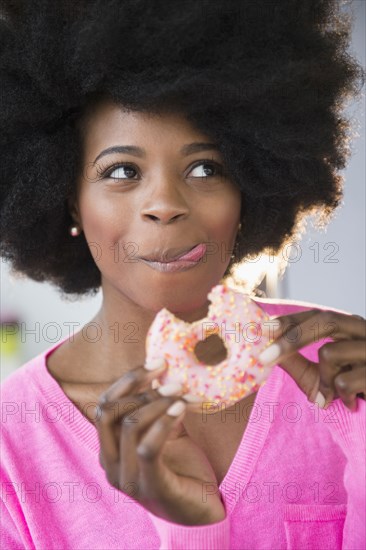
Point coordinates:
[(166, 204)]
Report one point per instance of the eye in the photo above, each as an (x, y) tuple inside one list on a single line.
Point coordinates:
[(122, 171), (206, 169)]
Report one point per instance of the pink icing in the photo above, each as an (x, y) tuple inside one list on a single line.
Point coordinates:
[(242, 326)]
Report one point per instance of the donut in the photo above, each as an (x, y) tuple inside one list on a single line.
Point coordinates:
[(238, 321)]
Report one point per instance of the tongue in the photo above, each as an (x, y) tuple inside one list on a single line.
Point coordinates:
[(194, 254)]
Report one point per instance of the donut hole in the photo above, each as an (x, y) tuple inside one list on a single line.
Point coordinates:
[(211, 351)]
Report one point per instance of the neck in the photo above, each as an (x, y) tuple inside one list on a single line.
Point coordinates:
[(113, 342)]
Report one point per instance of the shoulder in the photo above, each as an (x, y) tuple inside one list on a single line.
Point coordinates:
[(33, 366), (27, 379), (19, 393), (277, 307), (20, 380), (24, 394)]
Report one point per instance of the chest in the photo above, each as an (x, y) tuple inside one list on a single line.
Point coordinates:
[(221, 456), (218, 438), (84, 397), (219, 441)]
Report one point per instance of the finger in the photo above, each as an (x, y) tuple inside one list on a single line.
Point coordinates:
[(329, 323), (315, 327), (131, 382), (108, 443), (108, 418), (335, 356), (304, 372), (131, 431), (111, 413), (152, 442), (358, 317), (162, 481), (312, 377), (349, 384), (284, 321)]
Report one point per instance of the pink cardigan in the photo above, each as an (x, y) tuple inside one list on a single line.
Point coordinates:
[(297, 480)]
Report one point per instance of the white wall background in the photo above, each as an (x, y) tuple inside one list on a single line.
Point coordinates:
[(45, 317), (329, 270)]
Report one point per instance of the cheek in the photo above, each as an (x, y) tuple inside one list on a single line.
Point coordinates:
[(102, 219), (104, 224), (106, 220), (227, 215)]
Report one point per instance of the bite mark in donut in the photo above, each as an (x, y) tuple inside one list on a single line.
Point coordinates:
[(239, 322)]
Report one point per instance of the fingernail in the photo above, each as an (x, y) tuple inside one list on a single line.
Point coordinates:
[(170, 389), (98, 413), (320, 400), (270, 354), (191, 398), (176, 409), (155, 364)]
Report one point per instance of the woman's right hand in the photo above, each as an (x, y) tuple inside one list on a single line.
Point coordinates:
[(143, 450)]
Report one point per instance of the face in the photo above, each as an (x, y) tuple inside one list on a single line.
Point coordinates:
[(156, 197)]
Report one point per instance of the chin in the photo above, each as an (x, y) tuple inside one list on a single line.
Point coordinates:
[(181, 299)]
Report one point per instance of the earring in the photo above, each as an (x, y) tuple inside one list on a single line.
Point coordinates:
[(239, 226), (74, 230)]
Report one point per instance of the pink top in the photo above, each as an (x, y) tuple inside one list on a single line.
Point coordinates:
[(297, 480)]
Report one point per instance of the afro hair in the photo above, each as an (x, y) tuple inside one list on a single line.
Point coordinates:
[(267, 80)]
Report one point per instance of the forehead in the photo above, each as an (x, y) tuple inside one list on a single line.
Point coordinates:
[(109, 124)]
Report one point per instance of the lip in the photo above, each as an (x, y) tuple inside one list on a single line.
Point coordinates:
[(192, 253), (184, 262)]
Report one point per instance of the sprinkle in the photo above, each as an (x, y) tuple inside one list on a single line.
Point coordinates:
[(243, 378)]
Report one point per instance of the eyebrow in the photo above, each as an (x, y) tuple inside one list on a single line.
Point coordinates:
[(141, 153)]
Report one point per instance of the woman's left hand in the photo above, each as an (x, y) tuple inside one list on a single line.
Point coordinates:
[(341, 371)]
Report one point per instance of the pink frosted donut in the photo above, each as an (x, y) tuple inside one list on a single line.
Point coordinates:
[(238, 321)]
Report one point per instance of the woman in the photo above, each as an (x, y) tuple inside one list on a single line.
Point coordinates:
[(133, 132)]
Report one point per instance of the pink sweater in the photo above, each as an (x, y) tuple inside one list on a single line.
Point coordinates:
[(297, 480)]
